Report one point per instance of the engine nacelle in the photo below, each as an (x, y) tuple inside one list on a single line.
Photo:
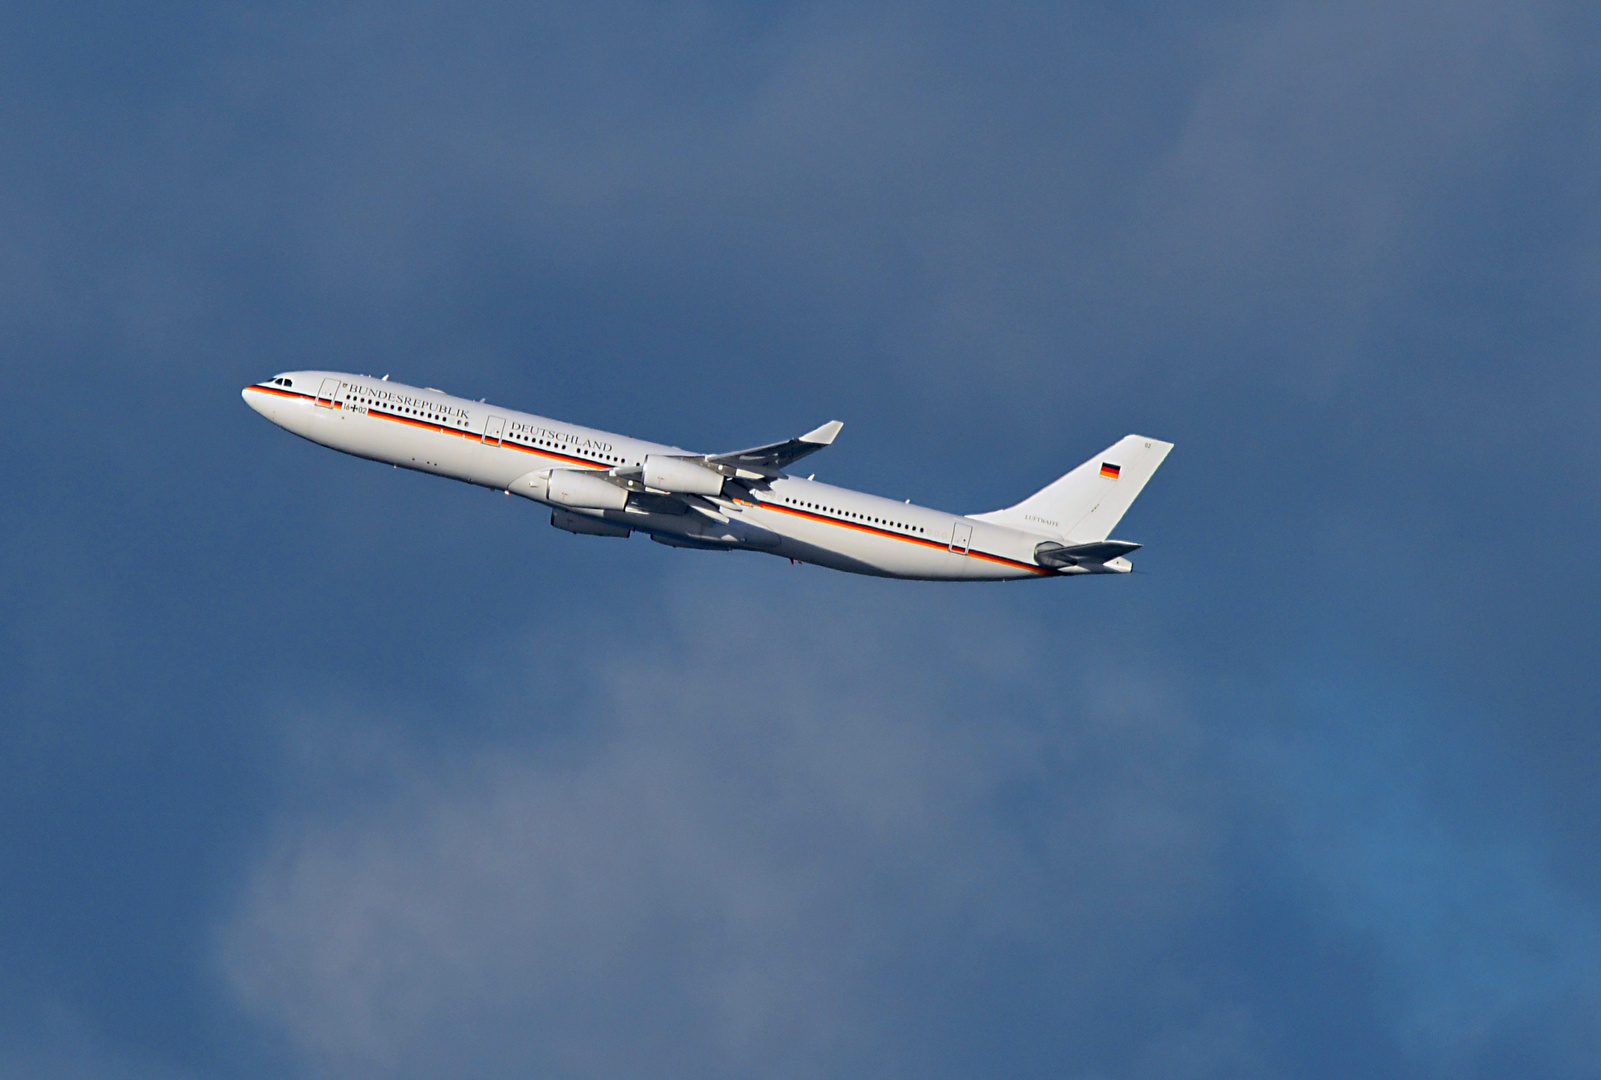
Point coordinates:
[(534, 485), (586, 525), (585, 491), (681, 476)]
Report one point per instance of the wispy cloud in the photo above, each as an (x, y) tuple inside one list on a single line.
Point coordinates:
[(759, 858)]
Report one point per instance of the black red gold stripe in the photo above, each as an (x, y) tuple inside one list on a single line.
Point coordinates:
[(938, 545), (809, 515), (428, 425)]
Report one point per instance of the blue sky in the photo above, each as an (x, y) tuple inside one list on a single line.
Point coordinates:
[(316, 768)]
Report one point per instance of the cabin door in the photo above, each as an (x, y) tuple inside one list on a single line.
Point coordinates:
[(961, 538), (494, 428), (328, 393)]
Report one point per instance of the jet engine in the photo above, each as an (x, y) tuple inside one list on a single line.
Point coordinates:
[(681, 476), (585, 491), (585, 525)]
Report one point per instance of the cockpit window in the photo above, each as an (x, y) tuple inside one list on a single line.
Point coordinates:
[(286, 382)]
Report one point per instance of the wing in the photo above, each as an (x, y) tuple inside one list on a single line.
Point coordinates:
[(773, 458), (756, 464)]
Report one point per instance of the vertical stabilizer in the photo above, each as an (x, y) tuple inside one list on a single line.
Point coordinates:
[(1087, 503)]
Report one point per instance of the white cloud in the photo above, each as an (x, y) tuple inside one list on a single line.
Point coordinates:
[(781, 861), (1318, 181)]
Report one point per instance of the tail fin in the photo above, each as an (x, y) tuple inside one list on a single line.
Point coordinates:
[(1087, 503)]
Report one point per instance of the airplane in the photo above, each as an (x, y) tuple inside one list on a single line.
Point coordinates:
[(601, 484)]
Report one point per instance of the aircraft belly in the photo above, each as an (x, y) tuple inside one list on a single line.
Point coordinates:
[(400, 444)]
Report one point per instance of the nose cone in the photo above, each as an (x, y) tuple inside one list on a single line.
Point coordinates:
[(261, 400)]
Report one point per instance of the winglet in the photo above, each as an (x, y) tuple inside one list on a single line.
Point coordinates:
[(824, 435)]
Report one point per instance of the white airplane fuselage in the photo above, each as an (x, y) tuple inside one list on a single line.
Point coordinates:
[(520, 453)]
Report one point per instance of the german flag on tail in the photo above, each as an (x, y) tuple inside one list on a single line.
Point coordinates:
[(1109, 470)]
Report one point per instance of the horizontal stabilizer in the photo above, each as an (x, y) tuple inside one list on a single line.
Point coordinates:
[(1050, 553)]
